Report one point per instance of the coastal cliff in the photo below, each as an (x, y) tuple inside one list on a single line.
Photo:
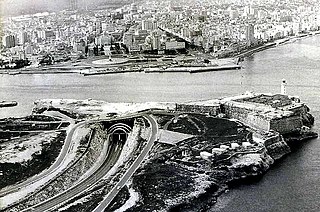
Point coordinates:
[(268, 128), (203, 148)]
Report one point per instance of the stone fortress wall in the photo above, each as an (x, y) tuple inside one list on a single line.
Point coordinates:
[(286, 124), (213, 110), (264, 112)]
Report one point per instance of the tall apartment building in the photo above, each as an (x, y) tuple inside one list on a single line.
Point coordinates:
[(250, 34), (9, 41)]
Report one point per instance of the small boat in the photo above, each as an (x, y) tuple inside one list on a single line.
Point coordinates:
[(14, 72), (8, 103)]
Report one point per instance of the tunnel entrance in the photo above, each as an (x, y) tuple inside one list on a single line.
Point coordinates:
[(119, 132), (119, 135)]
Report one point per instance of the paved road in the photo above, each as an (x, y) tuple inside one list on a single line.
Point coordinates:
[(61, 158), (133, 167), (90, 180), (68, 144), (114, 152)]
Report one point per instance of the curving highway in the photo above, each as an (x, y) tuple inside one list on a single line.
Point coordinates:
[(68, 144), (111, 195), (114, 151), (58, 162), (113, 154)]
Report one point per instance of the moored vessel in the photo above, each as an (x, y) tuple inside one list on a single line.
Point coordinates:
[(8, 103)]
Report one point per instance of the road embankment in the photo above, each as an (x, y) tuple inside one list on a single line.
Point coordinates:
[(88, 153), (90, 199)]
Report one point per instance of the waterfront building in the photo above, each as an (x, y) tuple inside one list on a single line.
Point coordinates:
[(127, 39), (211, 26), (250, 34), (133, 49), (173, 45), (156, 42), (22, 38), (29, 49), (9, 41), (41, 34), (185, 32), (80, 46), (103, 40), (149, 25)]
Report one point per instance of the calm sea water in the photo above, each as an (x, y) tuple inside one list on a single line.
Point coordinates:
[(291, 185)]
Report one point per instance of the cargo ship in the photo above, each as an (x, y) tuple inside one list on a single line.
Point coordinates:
[(8, 103)]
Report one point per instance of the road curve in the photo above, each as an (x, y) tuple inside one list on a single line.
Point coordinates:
[(113, 155), (60, 198), (65, 149), (62, 156), (134, 166)]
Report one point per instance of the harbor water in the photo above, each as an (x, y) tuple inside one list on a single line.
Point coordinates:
[(293, 184)]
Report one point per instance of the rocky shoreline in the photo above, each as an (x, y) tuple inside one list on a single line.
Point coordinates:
[(221, 153), (171, 174), (175, 181), (203, 148)]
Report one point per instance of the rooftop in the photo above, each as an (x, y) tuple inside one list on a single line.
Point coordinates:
[(275, 101)]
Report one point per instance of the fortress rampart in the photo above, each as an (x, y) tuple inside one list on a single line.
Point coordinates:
[(264, 112)]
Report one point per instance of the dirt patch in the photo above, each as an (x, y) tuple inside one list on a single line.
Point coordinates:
[(159, 183), (119, 200), (16, 172)]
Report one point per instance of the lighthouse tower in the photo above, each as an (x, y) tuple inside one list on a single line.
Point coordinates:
[(284, 87)]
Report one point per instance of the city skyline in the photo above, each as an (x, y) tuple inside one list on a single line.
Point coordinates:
[(159, 105)]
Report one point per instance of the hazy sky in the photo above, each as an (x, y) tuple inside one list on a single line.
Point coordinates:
[(25, 6), (30, 6)]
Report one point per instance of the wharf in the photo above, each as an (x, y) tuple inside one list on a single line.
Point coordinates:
[(257, 49), (104, 71), (192, 69)]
